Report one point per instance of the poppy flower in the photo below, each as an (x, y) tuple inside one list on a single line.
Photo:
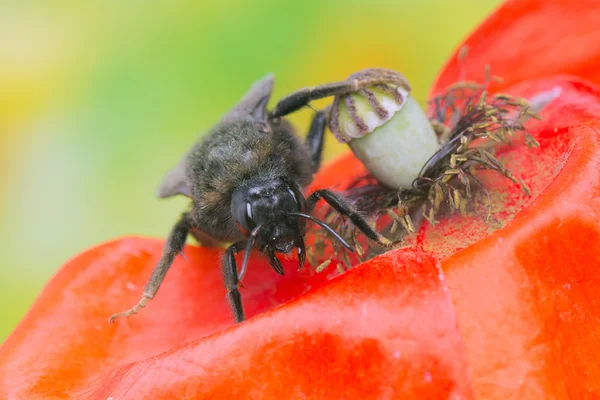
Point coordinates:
[(466, 310)]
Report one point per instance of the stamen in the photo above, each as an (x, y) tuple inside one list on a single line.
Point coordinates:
[(467, 124)]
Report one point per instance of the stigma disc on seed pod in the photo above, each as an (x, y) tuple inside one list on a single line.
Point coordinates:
[(386, 129)]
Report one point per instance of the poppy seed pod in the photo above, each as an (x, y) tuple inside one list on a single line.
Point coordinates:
[(386, 129)]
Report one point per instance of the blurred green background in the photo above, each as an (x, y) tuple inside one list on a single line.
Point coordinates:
[(98, 99)]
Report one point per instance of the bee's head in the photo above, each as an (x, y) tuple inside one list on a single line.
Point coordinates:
[(267, 204)]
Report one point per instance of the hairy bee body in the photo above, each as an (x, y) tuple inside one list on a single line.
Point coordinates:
[(237, 153), (246, 181)]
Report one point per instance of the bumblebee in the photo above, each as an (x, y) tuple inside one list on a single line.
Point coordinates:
[(246, 181)]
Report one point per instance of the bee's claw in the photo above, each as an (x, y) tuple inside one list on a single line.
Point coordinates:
[(133, 310), (183, 255), (300, 265)]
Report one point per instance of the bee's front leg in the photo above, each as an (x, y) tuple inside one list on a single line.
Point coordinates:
[(173, 246), (230, 274), (273, 260)]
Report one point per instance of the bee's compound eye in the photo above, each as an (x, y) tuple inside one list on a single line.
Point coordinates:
[(243, 216)]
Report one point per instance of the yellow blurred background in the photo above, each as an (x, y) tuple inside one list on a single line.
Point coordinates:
[(98, 99)]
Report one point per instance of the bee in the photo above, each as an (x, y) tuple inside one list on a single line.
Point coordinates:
[(246, 181)]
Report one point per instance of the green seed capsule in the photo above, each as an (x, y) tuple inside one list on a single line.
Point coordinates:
[(387, 130)]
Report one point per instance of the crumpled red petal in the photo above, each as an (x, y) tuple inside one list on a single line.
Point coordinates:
[(526, 297), (514, 311), (524, 39), (508, 311)]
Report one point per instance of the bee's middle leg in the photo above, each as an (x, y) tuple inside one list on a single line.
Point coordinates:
[(302, 97), (315, 137), (232, 282), (386, 79), (342, 206)]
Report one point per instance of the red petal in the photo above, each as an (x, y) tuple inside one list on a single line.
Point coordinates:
[(65, 339), (386, 329), (526, 296), (389, 328), (523, 299), (526, 39)]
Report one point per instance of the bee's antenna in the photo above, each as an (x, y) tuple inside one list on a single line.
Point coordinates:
[(324, 226), (249, 245)]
